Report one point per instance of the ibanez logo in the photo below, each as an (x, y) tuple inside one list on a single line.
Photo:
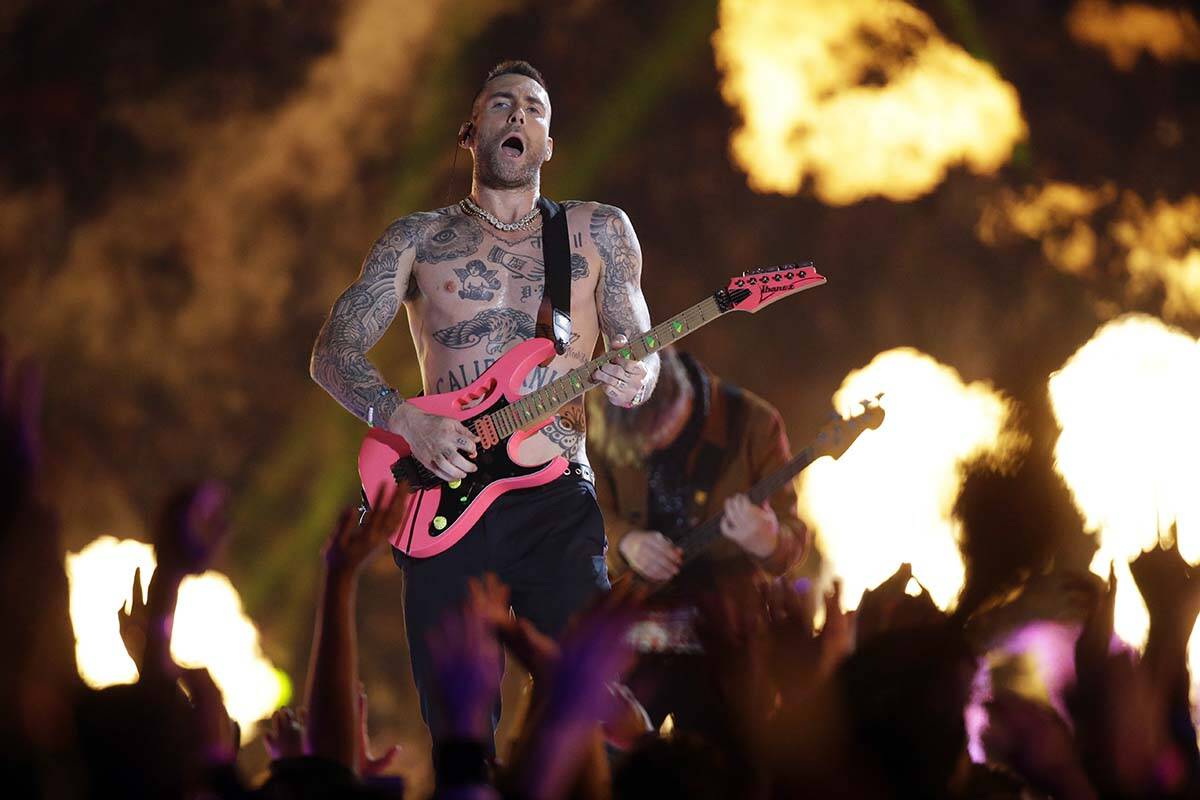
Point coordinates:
[(767, 289)]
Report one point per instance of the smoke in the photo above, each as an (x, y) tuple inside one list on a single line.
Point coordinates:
[(888, 500), (181, 265), (1125, 31), (1153, 247), (865, 97)]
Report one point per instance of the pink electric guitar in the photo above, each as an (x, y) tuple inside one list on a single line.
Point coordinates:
[(439, 514)]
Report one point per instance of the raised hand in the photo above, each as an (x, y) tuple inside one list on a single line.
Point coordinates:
[(889, 607), (445, 446), (628, 721), (1092, 646), (625, 380), (353, 543), (651, 555), (369, 766), (595, 655), (836, 640), (1169, 586), (219, 736), (193, 526), (132, 623), (467, 670), (284, 735), (1035, 742)]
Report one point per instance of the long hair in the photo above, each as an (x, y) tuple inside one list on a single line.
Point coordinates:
[(619, 435)]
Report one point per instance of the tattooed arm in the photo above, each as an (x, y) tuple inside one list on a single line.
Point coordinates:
[(620, 305), (358, 320)]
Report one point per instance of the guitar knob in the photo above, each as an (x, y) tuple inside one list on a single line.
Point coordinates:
[(741, 283)]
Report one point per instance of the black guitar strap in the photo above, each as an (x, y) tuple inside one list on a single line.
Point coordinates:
[(554, 315)]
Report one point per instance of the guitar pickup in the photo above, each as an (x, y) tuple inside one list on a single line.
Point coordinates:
[(485, 429)]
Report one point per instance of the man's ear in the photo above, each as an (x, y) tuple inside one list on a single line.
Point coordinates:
[(549, 148)]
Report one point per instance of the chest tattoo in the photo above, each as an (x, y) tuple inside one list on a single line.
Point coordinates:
[(498, 326)]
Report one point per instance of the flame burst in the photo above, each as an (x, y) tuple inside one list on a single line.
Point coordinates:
[(211, 630), (888, 499), (1156, 245), (1129, 450), (1125, 31), (865, 96)]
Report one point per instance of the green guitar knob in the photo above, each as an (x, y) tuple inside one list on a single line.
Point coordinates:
[(439, 522), (455, 484)]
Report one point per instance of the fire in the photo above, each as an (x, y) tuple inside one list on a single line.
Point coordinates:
[(1129, 449), (866, 97), (1126, 30), (1157, 245), (1163, 249), (888, 499), (211, 629), (1056, 214)]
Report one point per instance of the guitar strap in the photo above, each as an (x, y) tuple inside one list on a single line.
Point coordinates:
[(554, 314)]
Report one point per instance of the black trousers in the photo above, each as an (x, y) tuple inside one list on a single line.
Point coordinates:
[(546, 543)]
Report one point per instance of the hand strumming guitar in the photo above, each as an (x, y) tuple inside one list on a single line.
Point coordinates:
[(651, 555), (437, 442)]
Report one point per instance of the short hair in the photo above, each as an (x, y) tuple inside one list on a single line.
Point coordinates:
[(511, 68), (515, 68)]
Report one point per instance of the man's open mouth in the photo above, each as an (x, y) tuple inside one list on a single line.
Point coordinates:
[(512, 147)]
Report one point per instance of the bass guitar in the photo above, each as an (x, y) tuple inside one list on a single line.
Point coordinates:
[(669, 626), (438, 513)]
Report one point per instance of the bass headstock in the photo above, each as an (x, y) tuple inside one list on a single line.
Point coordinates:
[(760, 287), (836, 436)]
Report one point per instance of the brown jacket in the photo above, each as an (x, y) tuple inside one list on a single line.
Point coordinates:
[(761, 447)]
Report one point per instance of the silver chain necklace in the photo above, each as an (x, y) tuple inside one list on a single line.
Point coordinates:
[(471, 207)]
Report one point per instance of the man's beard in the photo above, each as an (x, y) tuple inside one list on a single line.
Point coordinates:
[(495, 171)]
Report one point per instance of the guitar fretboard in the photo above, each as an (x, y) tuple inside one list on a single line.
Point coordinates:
[(543, 403)]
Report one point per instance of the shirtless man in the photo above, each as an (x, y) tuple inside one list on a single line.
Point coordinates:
[(471, 278)]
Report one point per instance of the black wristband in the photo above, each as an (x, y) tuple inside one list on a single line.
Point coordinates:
[(460, 762)]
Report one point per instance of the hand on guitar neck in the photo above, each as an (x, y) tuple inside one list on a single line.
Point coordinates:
[(443, 445)]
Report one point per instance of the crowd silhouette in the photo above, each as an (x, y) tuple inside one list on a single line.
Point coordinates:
[(871, 705)]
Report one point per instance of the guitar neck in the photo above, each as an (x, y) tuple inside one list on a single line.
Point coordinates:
[(543, 403), (695, 541)]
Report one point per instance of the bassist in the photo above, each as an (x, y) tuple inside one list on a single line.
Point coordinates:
[(688, 454)]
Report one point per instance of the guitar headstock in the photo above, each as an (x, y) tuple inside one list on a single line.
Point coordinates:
[(837, 435), (760, 287)]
